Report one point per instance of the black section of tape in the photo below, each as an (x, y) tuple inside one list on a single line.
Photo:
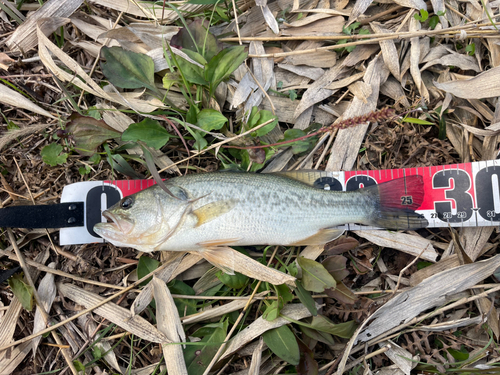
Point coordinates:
[(63, 215)]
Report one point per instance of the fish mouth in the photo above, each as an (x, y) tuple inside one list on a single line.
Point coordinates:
[(116, 223)]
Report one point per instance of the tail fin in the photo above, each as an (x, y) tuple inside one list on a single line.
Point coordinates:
[(396, 202)]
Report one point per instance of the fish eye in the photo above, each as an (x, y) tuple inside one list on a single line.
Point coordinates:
[(126, 203)]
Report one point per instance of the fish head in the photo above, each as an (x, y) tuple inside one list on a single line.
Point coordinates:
[(144, 220)]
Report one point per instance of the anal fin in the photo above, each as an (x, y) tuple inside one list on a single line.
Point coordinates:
[(321, 237)]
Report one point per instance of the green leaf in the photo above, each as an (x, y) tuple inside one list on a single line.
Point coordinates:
[(458, 355), (471, 49), (184, 306), (197, 38), (314, 276), (265, 116), (223, 64), (423, 15), (79, 366), (412, 120), (272, 311), (283, 343), (51, 155), (149, 131), (22, 291), (145, 266), (323, 324), (210, 119), (236, 281), (298, 146), (433, 22), (200, 142), (127, 69), (284, 296), (198, 357), (193, 73), (306, 298), (89, 133)]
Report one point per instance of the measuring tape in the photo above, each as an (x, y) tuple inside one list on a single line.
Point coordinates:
[(457, 195)]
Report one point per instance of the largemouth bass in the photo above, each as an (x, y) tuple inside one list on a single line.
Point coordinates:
[(236, 209)]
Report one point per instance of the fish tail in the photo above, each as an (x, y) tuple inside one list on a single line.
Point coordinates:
[(395, 203)]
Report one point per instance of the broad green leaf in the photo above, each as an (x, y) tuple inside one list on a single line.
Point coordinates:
[(184, 306), (236, 281), (272, 311), (192, 73), (298, 146), (283, 343), (210, 119), (192, 115), (223, 64), (198, 357), (145, 266), (127, 69), (22, 291), (197, 38), (412, 120), (149, 131), (284, 296), (433, 22), (89, 133), (51, 154), (306, 298), (265, 116), (314, 276), (254, 117), (323, 324)]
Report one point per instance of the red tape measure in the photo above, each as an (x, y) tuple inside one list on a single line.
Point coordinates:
[(457, 195)]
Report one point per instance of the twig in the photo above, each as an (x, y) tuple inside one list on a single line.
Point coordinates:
[(408, 266)]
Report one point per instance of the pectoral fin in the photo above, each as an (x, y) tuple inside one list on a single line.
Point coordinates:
[(213, 210), (321, 237), (230, 260)]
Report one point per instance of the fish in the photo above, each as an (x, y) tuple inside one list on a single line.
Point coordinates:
[(211, 212)]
